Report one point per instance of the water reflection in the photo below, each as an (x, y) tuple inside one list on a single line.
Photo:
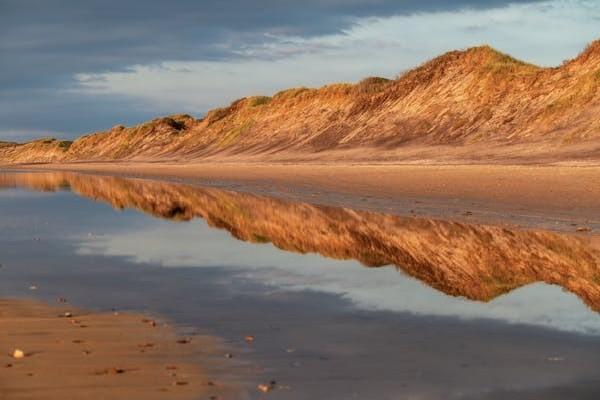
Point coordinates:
[(478, 262)]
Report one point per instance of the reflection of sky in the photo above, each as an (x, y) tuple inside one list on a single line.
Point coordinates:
[(368, 354), (62, 215), (194, 244), (98, 230)]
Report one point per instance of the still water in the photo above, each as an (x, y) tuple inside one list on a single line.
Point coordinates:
[(343, 303)]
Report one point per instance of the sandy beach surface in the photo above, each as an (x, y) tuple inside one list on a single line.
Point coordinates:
[(74, 354), (418, 350), (552, 196)]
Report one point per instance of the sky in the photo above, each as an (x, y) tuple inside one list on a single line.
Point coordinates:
[(70, 67)]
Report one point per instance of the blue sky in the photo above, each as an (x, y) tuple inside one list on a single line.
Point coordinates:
[(70, 67)]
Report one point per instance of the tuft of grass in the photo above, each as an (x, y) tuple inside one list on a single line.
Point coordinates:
[(374, 81), (216, 115), (290, 93), (234, 134), (65, 144), (504, 63), (47, 140), (259, 101), (508, 59), (175, 124), (371, 84)]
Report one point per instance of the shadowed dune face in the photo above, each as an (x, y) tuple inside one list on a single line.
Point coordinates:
[(478, 262)]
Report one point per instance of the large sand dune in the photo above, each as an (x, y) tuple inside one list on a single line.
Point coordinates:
[(476, 105)]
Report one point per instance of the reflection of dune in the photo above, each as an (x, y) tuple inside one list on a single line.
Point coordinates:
[(479, 262)]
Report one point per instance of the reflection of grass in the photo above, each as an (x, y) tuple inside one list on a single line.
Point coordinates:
[(597, 75), (258, 238), (498, 285), (234, 134), (232, 208)]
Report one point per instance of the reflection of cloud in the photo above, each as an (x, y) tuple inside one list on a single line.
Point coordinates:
[(194, 244), (10, 193)]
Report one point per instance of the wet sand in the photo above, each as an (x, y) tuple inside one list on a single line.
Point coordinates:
[(534, 196), (475, 261), (354, 353), (86, 355)]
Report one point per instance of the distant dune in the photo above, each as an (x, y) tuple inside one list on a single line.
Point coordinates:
[(476, 105)]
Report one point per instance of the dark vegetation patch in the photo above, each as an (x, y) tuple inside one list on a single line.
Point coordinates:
[(178, 125), (65, 144), (371, 85), (259, 101)]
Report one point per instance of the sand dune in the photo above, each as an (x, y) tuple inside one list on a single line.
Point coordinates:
[(476, 105)]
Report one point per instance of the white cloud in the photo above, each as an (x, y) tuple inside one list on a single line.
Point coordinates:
[(543, 33)]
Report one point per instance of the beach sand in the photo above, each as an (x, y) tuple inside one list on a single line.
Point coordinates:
[(86, 355), (535, 196)]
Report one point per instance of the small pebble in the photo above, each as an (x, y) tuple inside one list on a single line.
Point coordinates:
[(18, 353), (267, 387)]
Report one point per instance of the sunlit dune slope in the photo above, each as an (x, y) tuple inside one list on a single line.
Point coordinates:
[(477, 104)]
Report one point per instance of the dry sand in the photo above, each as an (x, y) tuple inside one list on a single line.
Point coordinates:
[(98, 356)]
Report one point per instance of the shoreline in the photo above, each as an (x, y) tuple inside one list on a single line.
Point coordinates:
[(554, 197), (77, 354)]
